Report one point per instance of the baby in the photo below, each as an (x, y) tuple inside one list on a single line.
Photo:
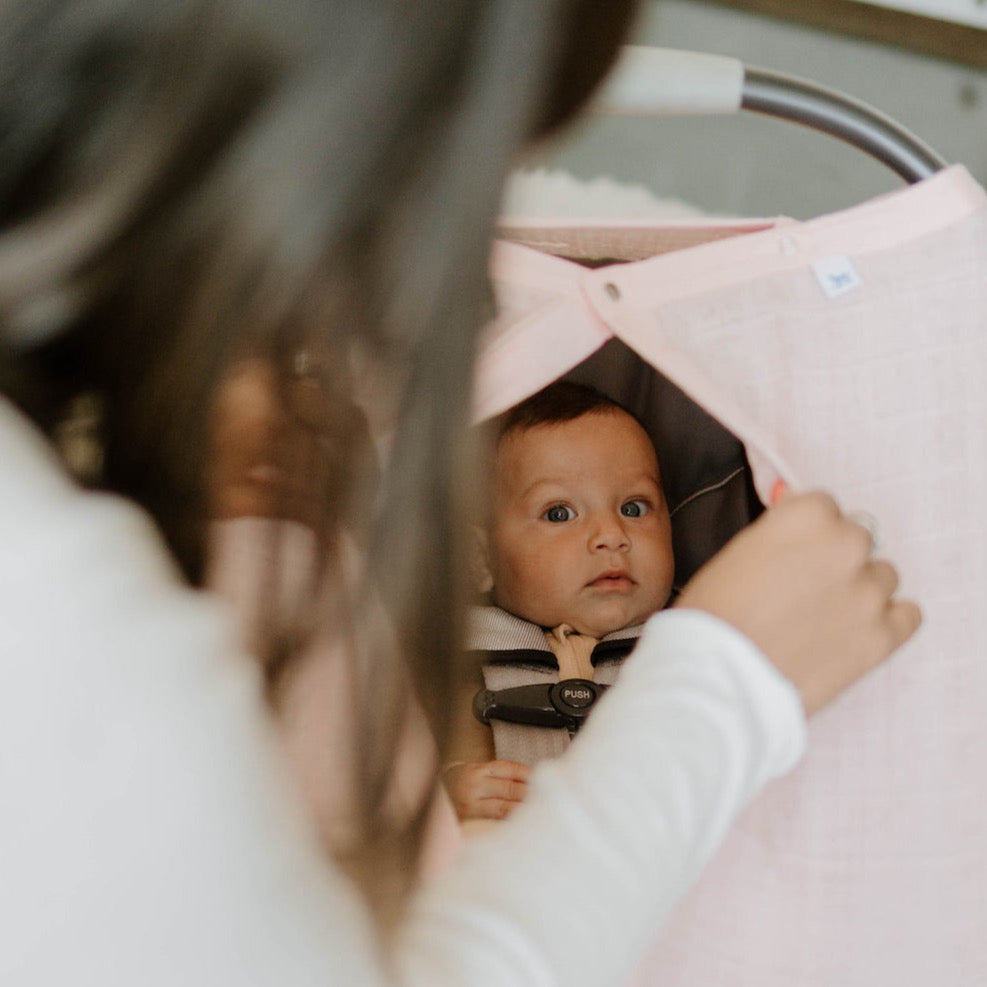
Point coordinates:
[(578, 551)]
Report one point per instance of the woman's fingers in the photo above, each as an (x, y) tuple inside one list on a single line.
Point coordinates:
[(802, 584), (885, 575), (905, 618)]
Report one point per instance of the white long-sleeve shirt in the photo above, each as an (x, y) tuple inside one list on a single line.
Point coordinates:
[(148, 834)]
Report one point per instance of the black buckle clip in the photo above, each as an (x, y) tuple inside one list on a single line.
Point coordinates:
[(562, 704)]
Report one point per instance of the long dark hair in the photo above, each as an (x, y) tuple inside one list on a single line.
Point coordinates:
[(185, 179)]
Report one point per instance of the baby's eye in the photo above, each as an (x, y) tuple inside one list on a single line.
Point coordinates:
[(559, 512), (635, 508)]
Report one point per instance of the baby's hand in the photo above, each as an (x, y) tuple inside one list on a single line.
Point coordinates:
[(486, 789)]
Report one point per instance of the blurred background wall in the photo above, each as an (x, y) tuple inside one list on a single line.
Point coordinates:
[(755, 166)]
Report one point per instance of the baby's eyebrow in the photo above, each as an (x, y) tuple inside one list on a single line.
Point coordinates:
[(639, 479), (651, 478), (558, 483), (561, 483)]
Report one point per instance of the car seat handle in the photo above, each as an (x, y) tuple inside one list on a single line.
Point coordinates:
[(667, 82)]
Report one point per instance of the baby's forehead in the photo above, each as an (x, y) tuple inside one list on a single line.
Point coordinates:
[(596, 420), (594, 435)]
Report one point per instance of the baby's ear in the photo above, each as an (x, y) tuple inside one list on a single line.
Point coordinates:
[(479, 560)]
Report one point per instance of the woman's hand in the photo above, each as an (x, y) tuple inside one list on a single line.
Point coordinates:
[(487, 789), (801, 582)]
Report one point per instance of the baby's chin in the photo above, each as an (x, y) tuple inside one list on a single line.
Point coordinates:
[(597, 623), (592, 626), (601, 630), (609, 617)]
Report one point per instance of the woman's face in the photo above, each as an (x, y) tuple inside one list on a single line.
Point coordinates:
[(267, 445)]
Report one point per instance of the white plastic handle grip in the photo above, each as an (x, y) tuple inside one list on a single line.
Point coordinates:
[(664, 81)]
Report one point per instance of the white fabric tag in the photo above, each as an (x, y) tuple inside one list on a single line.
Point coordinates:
[(836, 275)]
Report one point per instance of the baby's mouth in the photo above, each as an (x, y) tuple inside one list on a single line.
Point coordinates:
[(613, 579)]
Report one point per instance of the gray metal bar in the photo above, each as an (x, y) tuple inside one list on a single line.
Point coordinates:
[(831, 112)]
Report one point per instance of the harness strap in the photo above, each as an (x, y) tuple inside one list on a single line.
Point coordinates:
[(518, 704)]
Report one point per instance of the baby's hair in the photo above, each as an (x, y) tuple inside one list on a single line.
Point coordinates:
[(563, 401)]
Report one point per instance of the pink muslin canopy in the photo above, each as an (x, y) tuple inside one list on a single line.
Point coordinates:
[(850, 353)]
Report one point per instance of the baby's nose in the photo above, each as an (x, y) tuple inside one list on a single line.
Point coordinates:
[(609, 534)]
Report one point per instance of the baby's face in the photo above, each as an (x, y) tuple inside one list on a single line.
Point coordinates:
[(580, 532)]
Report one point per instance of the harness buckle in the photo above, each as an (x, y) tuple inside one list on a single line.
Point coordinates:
[(561, 704)]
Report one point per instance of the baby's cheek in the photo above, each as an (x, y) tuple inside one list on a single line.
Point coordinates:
[(533, 593)]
